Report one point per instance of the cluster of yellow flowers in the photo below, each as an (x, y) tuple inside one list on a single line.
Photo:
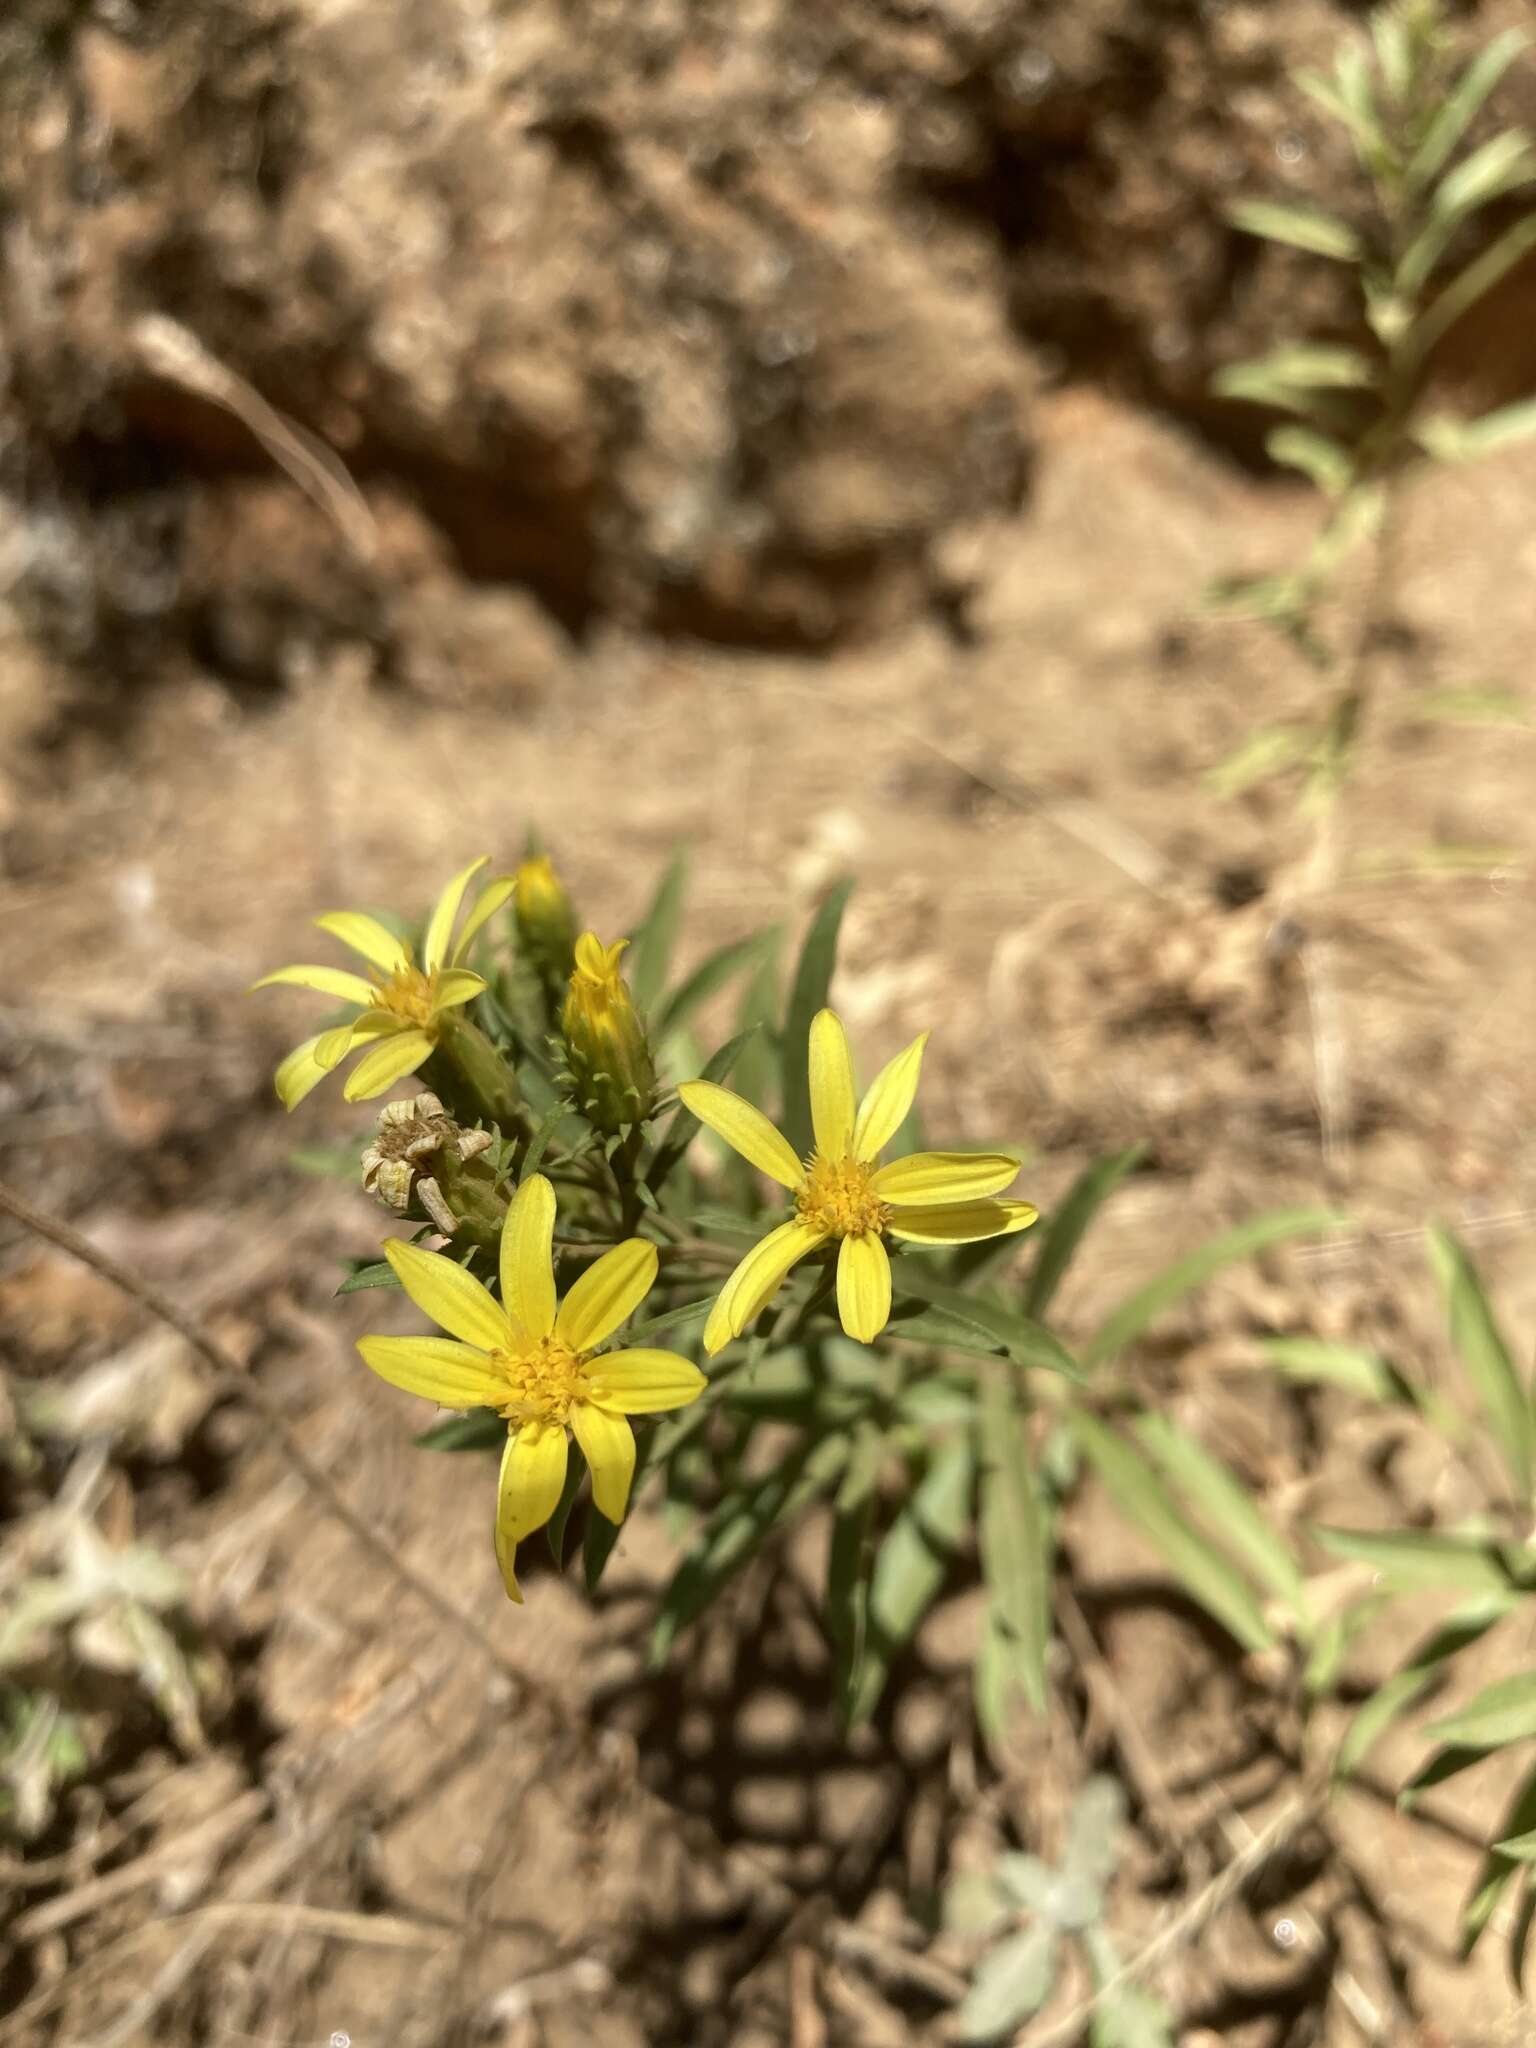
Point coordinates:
[(539, 1363)]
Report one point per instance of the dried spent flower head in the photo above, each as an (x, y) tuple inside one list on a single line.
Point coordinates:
[(409, 1135)]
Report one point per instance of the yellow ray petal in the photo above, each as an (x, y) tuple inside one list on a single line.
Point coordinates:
[(607, 1294), (532, 1474), (367, 936), (527, 1266), (745, 1129), (298, 1072), (608, 1445), (891, 1094), (333, 1046), (449, 1295), (454, 1375), (643, 1382), (506, 1553), (756, 1280), (434, 947), (832, 1094), (400, 1053), (454, 986), (329, 981), (962, 1222), (925, 1179), (486, 905), (863, 1287)]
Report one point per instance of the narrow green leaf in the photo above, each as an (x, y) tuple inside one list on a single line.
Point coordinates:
[(1336, 1365), (1521, 1847), (1262, 755), (812, 984), (686, 1313), (850, 1560), (1303, 227), (736, 1531), (1226, 1507), (1417, 1559), (1333, 1639), (1499, 1870), (1502, 1712), (1476, 1336), (1340, 98), (1393, 1698), (1458, 298), (1502, 164), (1145, 1501), (1063, 1231), (1462, 106), (712, 974), (680, 1131), (482, 1429), (1192, 1271), (538, 1144), (1015, 1532), (1322, 461), (1013, 1982), (1394, 53), (381, 1274), (913, 1563), (1301, 366), (1020, 1337), (1471, 440), (650, 954)]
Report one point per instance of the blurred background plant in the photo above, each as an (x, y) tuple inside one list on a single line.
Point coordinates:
[(1366, 416)]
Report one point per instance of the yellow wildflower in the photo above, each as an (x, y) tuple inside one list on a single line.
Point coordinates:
[(605, 1043), (537, 1364), (926, 1198), (401, 1007)]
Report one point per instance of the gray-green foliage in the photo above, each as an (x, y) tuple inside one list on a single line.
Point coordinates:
[(1491, 1567), (1030, 1909), (1360, 413)]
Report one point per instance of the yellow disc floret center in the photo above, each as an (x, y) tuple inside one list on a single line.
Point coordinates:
[(409, 994), (839, 1198), (542, 1382)]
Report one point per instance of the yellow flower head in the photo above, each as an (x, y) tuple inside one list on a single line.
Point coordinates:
[(605, 1043), (537, 1364), (400, 1006), (546, 923), (840, 1193)]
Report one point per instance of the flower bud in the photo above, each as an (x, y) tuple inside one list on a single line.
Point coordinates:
[(546, 923), (610, 1062)]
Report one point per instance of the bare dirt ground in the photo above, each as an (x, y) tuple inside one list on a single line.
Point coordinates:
[(385, 1840)]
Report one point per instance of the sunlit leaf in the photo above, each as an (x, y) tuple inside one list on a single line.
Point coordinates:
[(1303, 227), (1420, 1558), (1013, 1982), (1336, 1365), (650, 951), (1015, 1532), (1502, 1712), (1480, 1343), (1461, 107), (1393, 1698), (1146, 1502), (1226, 1506), (1058, 1238), (1499, 1869), (1181, 1278), (913, 1563)]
